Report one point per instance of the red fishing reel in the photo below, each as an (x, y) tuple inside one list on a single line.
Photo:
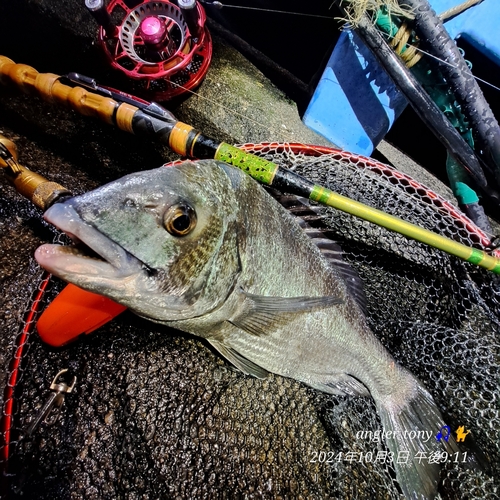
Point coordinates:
[(164, 46)]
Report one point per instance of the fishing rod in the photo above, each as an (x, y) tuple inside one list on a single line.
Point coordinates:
[(142, 118)]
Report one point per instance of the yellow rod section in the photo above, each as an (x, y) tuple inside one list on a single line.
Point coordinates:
[(473, 255)]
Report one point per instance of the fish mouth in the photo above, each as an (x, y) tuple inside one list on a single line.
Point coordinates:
[(92, 255)]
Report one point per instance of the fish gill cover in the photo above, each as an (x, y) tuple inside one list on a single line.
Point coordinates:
[(157, 415)]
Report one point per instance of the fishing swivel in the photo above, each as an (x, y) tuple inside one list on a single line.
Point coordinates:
[(51, 409), (8, 156), (42, 192)]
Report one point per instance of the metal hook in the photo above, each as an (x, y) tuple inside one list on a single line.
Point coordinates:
[(50, 411)]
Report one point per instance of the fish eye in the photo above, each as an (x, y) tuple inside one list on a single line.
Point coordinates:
[(179, 220)]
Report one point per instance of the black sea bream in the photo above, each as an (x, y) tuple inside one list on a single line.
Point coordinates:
[(203, 248)]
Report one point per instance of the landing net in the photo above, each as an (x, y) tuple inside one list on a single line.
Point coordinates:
[(156, 414)]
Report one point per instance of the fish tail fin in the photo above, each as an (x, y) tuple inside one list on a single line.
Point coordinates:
[(410, 432)]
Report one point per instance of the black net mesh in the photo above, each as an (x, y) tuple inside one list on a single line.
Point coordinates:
[(155, 414)]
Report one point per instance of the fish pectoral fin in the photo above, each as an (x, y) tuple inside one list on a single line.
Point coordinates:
[(259, 314), (243, 364), (343, 385)]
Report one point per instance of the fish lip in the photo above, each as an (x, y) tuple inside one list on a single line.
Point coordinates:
[(61, 260)]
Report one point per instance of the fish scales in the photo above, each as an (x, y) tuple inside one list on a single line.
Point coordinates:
[(259, 291)]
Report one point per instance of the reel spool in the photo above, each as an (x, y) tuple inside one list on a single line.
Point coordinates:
[(164, 46)]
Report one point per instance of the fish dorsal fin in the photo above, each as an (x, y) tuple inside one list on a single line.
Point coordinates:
[(243, 364), (306, 215), (258, 315)]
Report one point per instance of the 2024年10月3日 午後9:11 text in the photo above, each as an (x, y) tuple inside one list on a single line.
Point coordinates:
[(403, 456)]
